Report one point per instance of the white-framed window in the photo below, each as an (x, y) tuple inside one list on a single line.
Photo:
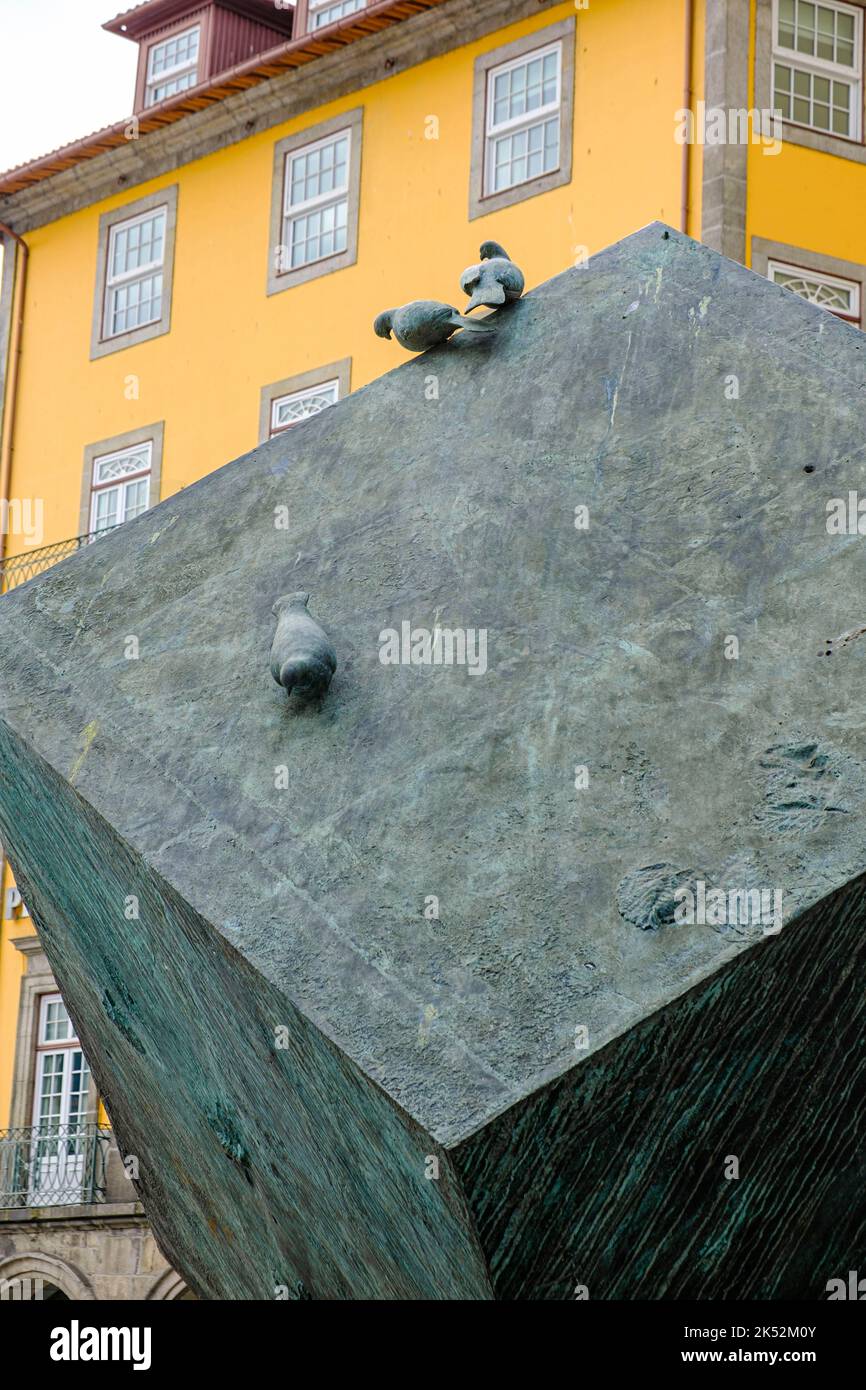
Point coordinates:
[(172, 65), (522, 138), (324, 12), (62, 1073), (59, 1107), (818, 65), (316, 201), (134, 275), (290, 410), (120, 487), (840, 297)]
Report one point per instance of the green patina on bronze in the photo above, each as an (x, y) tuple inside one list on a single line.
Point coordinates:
[(282, 854)]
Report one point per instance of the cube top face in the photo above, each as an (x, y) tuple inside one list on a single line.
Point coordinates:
[(580, 578)]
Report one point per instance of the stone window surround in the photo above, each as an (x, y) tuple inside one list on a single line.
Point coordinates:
[(793, 134), (764, 251), (37, 981), (153, 433), (480, 204), (10, 268), (352, 120), (99, 345), (726, 73), (303, 381)]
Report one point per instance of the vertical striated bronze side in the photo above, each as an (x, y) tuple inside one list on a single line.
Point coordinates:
[(614, 1177), (268, 1161)]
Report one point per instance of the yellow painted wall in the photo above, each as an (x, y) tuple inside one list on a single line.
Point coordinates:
[(228, 338), (11, 970), (808, 199), (804, 198), (698, 93)]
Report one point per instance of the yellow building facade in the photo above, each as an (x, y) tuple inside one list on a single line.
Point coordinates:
[(206, 272)]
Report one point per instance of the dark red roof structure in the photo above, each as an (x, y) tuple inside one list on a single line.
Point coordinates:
[(294, 53), (141, 20)]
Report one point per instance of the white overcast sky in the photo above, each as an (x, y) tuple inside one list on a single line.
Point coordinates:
[(61, 75)]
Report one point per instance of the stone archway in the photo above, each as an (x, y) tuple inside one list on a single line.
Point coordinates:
[(170, 1286), (59, 1280)]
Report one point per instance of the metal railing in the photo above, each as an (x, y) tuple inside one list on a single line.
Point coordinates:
[(19, 568), (53, 1165)]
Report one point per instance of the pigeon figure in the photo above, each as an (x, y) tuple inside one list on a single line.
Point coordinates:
[(424, 324), (497, 280), (302, 655)]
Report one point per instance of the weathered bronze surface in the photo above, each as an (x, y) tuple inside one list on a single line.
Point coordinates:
[(406, 1009), (497, 280), (425, 324), (302, 654)]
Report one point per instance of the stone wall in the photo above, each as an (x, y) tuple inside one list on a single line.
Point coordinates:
[(102, 1252)]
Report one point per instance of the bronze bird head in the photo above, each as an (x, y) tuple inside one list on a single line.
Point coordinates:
[(382, 324), (300, 598), (491, 249)]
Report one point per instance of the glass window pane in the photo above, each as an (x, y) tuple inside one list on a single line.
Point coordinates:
[(51, 1088), (837, 298), (107, 503), (316, 173), (551, 146), (329, 11), (79, 1082), (319, 233), (173, 52), (160, 91), (826, 33), (821, 116), (135, 498), (526, 154), (119, 258), (110, 466), (524, 88), (290, 410), (841, 122), (136, 303), (57, 1025), (138, 244), (805, 28)]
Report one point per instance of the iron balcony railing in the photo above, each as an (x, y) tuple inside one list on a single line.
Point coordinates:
[(53, 1165), (20, 568)]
